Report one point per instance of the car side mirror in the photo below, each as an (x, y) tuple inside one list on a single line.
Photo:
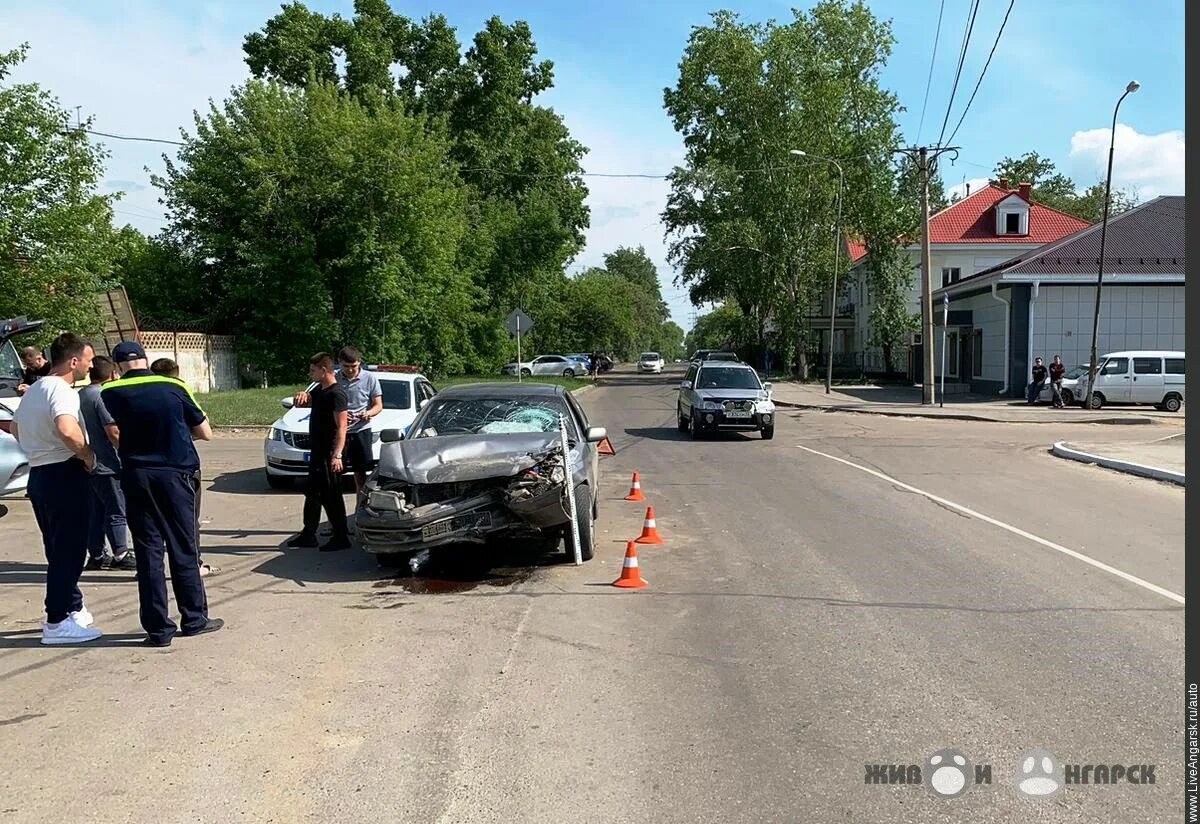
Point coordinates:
[(685, 384), (391, 435), (595, 434), (287, 403), (767, 386)]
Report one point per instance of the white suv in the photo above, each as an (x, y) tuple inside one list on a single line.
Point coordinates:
[(286, 448), (724, 395)]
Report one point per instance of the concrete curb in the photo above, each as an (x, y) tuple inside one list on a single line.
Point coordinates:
[(959, 416), (1062, 450)]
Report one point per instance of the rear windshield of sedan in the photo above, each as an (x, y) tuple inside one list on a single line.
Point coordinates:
[(649, 356), (487, 416), (727, 377)]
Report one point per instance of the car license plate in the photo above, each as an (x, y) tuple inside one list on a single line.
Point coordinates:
[(307, 457), (476, 520), (737, 413)]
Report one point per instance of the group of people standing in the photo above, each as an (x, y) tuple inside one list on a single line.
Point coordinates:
[(119, 452), (1056, 371)]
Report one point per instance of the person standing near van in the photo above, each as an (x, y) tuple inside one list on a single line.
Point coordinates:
[(47, 424), (1039, 380), (1057, 370)]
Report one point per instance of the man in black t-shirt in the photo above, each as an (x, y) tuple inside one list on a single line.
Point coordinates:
[(327, 436), (36, 366)]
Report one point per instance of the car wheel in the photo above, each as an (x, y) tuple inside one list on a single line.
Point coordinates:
[(568, 373), (526, 373), (680, 421), (587, 526), (1067, 398), (768, 432), (278, 481), (1171, 403), (1097, 400)]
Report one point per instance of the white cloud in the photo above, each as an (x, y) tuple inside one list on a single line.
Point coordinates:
[(962, 189), (1153, 164)]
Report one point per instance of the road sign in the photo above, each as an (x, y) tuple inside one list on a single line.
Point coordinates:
[(518, 323)]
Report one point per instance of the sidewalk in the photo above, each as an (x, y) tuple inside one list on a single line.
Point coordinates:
[(1161, 459), (905, 401)]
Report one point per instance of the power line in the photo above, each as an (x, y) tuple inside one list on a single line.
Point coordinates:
[(985, 68), (962, 57), (130, 137), (929, 82)]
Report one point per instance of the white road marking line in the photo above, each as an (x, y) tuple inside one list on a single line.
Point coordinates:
[(1133, 579)]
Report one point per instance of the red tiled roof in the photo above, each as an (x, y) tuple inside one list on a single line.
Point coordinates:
[(973, 220), (856, 248)]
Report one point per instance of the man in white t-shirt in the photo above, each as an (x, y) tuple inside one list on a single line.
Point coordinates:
[(49, 427)]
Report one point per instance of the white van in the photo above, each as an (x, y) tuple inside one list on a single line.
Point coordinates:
[(1155, 377)]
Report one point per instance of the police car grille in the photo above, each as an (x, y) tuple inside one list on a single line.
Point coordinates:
[(300, 440)]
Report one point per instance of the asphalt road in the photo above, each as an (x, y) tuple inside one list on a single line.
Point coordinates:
[(804, 619)]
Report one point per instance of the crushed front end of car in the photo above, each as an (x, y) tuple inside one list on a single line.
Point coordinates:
[(463, 489)]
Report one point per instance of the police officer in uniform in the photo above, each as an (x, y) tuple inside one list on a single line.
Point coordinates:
[(158, 419)]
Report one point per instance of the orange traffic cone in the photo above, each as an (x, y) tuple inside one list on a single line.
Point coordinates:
[(650, 530), (635, 492), (631, 573)]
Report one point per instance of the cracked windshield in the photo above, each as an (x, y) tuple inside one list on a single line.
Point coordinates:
[(865, 320)]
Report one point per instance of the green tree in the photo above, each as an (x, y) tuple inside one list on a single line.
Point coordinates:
[(724, 328), (56, 237), (518, 160), (1056, 190), (321, 219), (753, 226)]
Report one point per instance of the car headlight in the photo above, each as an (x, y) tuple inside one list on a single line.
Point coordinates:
[(710, 406), (274, 434)]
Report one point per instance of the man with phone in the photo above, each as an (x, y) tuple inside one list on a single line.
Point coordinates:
[(327, 436)]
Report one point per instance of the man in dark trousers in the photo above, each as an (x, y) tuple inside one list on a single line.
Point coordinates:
[(106, 509), (1057, 369), (327, 435), (1039, 380), (158, 419), (49, 429)]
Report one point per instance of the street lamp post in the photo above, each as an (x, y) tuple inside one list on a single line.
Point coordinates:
[(837, 248), (1130, 89)]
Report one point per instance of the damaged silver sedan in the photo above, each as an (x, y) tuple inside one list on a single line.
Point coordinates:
[(480, 462)]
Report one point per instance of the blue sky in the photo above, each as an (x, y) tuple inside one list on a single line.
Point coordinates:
[(140, 67)]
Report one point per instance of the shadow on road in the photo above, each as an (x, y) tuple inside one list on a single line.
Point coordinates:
[(658, 433), (19, 572), (254, 482), (30, 638)]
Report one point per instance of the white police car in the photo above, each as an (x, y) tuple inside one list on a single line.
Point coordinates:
[(286, 449)]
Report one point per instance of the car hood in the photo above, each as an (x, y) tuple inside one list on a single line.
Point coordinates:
[(454, 458), (296, 420), (729, 394)]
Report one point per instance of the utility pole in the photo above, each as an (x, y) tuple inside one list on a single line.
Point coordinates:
[(924, 157)]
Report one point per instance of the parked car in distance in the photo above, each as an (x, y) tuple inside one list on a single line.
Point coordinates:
[(586, 360), (723, 395), (286, 449), (701, 355), (547, 365), (14, 464), (1141, 377), (1071, 384), (651, 362), (483, 461)]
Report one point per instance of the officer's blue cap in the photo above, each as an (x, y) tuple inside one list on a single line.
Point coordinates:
[(128, 350)]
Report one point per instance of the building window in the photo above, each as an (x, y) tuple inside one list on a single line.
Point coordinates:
[(977, 353), (1012, 223), (952, 354), (950, 275)]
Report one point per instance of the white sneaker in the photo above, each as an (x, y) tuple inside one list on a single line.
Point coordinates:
[(83, 617), (68, 632)]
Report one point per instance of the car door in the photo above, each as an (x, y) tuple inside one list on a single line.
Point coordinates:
[(687, 391), (1147, 385), (547, 365), (1113, 380)]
